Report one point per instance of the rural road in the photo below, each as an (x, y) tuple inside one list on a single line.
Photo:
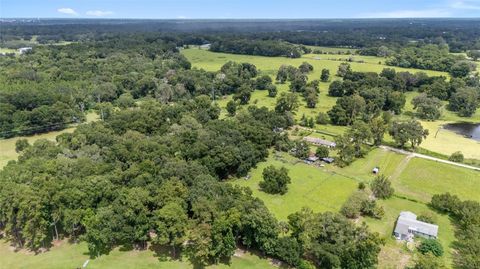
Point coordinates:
[(413, 154)]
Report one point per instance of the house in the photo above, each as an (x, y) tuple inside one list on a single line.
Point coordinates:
[(205, 46), (24, 50), (320, 142), (328, 160), (408, 226)]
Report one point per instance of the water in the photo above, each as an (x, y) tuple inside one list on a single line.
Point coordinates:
[(470, 130)]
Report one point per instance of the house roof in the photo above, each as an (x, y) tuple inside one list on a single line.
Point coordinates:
[(408, 221), (319, 141)]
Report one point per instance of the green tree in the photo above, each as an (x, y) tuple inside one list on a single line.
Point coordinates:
[(272, 90), (427, 107), (408, 131), (231, 108), (325, 76), (243, 95), (462, 69), (344, 69), (275, 181), (21, 145), (305, 68), (382, 187), (464, 101), (322, 152), (287, 102)]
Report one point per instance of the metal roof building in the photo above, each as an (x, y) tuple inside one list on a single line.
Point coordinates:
[(408, 226)]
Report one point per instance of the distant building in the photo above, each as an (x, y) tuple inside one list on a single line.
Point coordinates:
[(328, 160), (408, 226), (205, 46), (320, 142), (24, 50)]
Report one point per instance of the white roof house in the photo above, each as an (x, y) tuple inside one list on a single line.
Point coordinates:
[(320, 142), (408, 226)]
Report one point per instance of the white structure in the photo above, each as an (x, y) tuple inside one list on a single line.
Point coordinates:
[(408, 226), (23, 50), (320, 142)]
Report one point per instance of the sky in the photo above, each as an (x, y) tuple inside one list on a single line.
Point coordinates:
[(238, 9)]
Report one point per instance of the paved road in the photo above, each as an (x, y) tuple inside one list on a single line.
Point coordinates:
[(413, 154)]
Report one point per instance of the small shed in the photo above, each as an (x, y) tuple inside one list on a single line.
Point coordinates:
[(376, 170), (328, 160)]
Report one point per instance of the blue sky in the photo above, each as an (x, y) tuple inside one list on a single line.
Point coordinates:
[(216, 9)]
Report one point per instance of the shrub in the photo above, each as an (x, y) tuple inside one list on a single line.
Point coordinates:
[(456, 157), (427, 217), (21, 145), (322, 152), (431, 246), (322, 118)]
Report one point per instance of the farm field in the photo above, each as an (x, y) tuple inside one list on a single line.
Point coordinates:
[(68, 255), (315, 187)]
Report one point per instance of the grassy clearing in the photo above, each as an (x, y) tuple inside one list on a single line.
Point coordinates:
[(423, 178), (7, 146), (68, 255), (315, 187)]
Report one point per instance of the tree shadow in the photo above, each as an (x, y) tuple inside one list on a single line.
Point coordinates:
[(165, 253)]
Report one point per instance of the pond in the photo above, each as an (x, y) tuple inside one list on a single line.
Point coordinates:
[(469, 130)]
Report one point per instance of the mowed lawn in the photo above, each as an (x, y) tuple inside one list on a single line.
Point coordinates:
[(311, 186), (68, 255), (423, 178)]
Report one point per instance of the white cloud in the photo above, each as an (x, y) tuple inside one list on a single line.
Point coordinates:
[(427, 13), (67, 10), (466, 4), (98, 13), (181, 17)]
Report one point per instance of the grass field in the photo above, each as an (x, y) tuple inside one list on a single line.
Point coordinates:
[(422, 178), (68, 255), (315, 187)]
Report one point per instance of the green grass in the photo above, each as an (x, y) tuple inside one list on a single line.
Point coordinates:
[(423, 178), (68, 255), (315, 187), (6, 50)]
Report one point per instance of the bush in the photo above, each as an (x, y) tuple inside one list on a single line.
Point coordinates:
[(427, 217), (322, 152), (322, 118), (431, 246), (382, 187), (456, 157), (231, 108), (275, 180), (272, 90)]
